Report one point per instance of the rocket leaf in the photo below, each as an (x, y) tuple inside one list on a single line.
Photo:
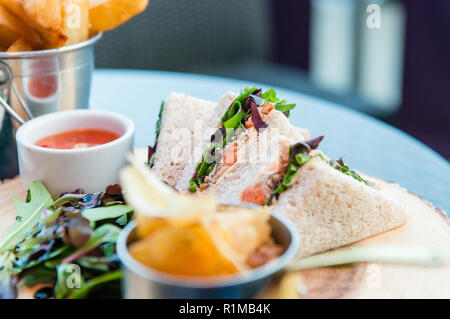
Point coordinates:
[(28, 213)]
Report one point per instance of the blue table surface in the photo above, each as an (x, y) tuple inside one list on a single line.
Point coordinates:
[(365, 143)]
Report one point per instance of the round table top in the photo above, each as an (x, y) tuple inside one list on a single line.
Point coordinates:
[(366, 144)]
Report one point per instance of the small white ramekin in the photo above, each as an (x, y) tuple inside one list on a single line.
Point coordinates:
[(64, 170)]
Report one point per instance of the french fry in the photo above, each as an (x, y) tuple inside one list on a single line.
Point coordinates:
[(12, 29), (21, 45), (107, 14), (43, 16), (75, 20)]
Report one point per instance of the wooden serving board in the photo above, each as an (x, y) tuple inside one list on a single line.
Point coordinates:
[(427, 226)]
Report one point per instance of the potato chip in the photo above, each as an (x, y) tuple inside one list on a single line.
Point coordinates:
[(107, 14), (151, 197), (75, 20), (145, 226), (184, 251), (239, 231), (21, 45)]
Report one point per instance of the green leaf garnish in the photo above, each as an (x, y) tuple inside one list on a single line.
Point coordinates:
[(151, 159), (28, 213), (69, 279), (343, 168), (302, 158), (107, 233), (112, 212), (100, 280)]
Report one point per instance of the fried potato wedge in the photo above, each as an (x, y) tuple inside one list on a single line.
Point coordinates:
[(43, 16), (75, 20), (107, 14), (184, 251), (11, 29), (21, 45)]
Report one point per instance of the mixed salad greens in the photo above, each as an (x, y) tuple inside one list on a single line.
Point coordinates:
[(243, 107), (343, 168), (152, 149), (67, 245)]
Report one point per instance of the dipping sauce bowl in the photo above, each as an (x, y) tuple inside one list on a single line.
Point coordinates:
[(65, 170), (142, 282)]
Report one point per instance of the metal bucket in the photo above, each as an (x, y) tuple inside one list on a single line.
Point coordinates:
[(40, 82)]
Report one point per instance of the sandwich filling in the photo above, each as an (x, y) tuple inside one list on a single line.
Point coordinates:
[(152, 149), (242, 114), (300, 154)]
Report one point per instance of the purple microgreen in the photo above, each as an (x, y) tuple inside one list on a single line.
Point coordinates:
[(256, 117)]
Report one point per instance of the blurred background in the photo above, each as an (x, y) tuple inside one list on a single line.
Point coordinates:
[(388, 59), (332, 49)]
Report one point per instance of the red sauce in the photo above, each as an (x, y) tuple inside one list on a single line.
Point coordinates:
[(80, 138)]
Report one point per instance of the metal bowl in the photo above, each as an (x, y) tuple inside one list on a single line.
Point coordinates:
[(140, 281)]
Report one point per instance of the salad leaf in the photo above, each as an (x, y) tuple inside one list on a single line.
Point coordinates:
[(235, 120), (106, 233), (93, 262), (77, 230), (28, 213), (152, 149), (103, 213), (343, 168), (40, 275), (270, 95), (256, 117), (69, 279), (89, 285)]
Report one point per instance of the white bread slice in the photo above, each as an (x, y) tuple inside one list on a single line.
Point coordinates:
[(331, 209), (200, 136), (182, 115)]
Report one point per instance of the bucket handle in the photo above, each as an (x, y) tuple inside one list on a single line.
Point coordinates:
[(6, 80)]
